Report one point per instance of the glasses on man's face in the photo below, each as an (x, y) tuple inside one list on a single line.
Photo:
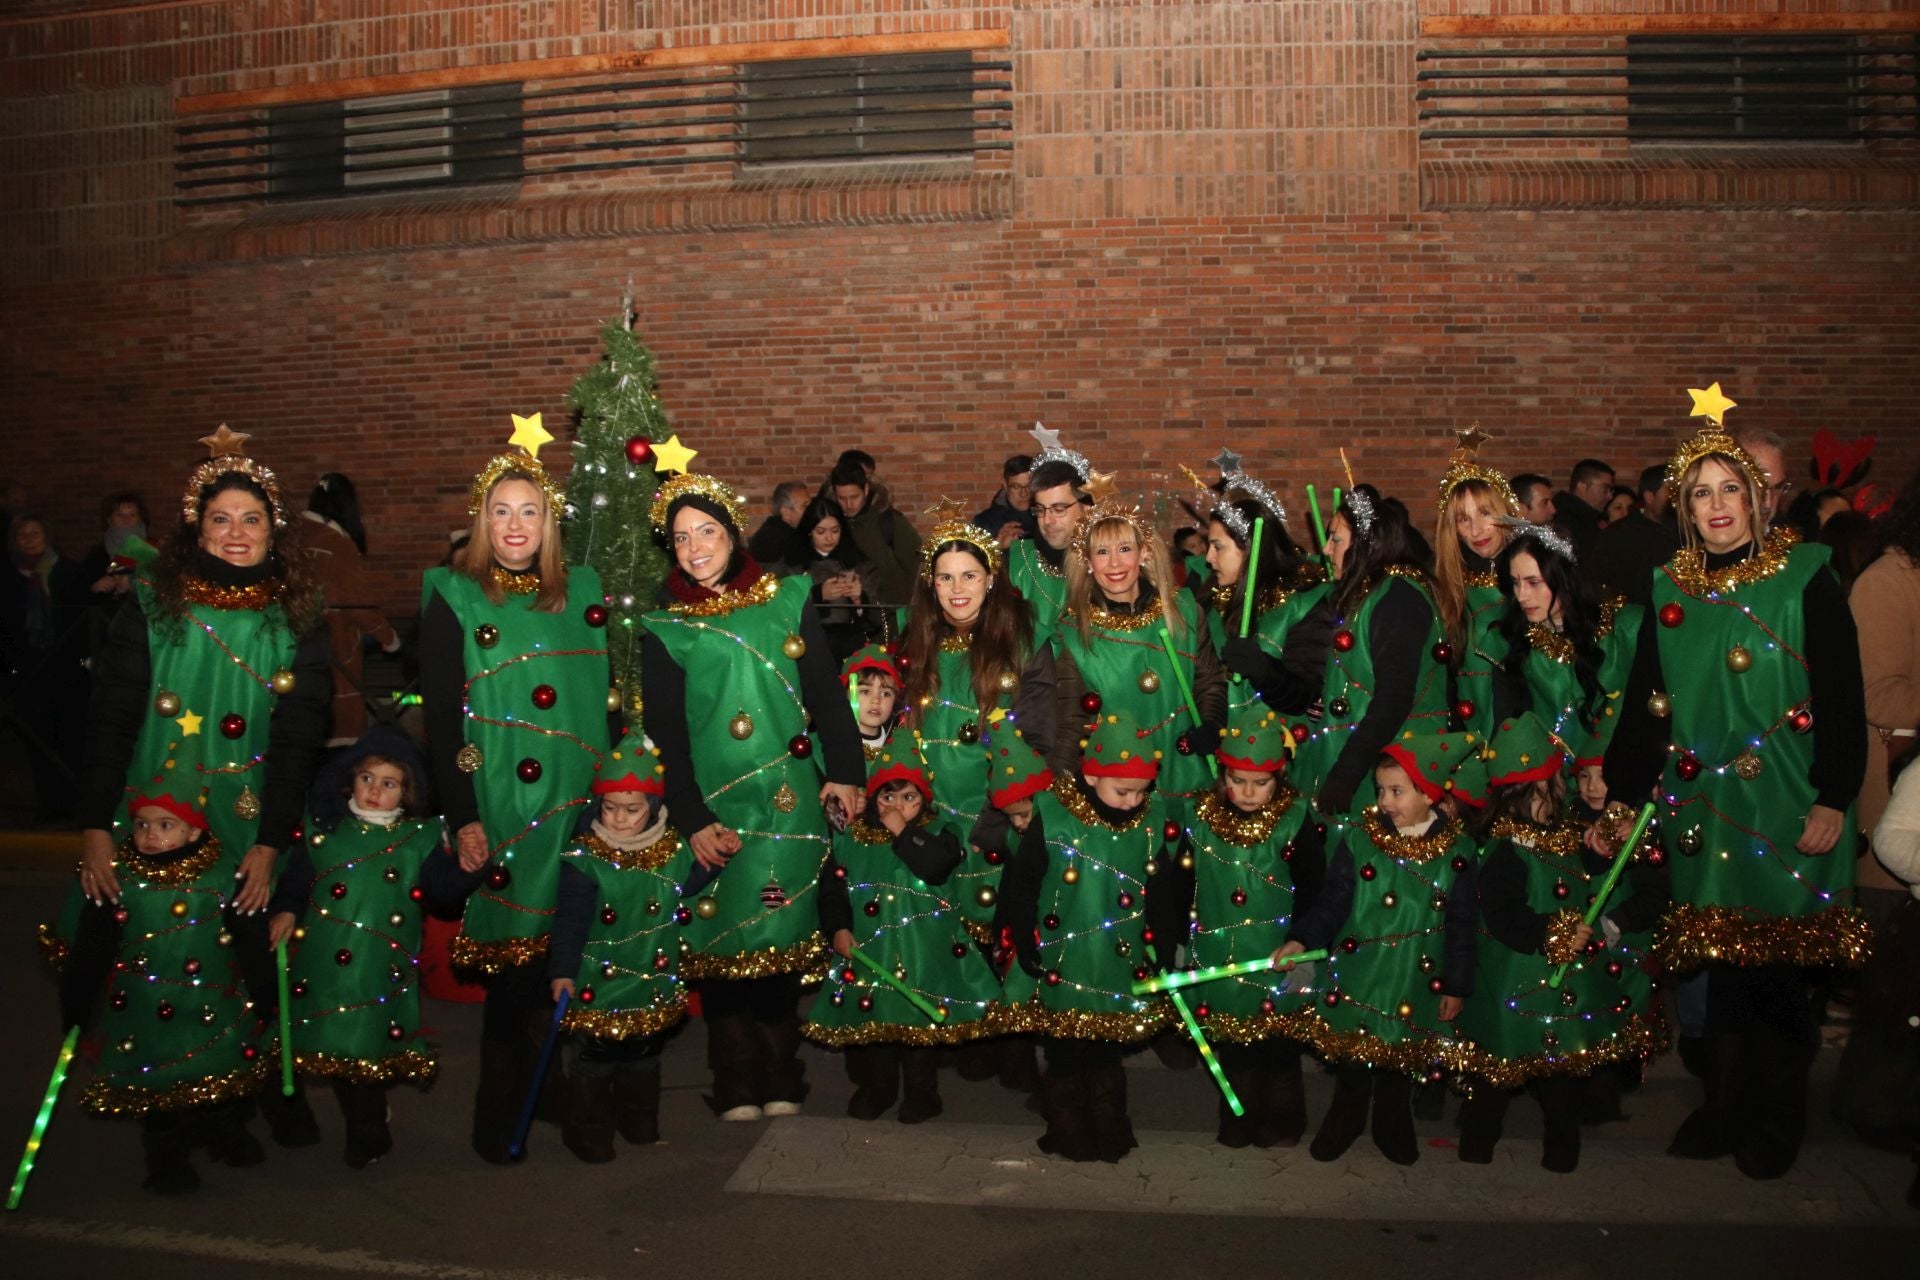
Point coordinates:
[(1057, 508), (1015, 487)]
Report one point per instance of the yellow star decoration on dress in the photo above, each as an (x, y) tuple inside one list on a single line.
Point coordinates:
[(997, 715), (1100, 485), (224, 443), (189, 723), (671, 455), (529, 434), (1710, 404), (1470, 440)]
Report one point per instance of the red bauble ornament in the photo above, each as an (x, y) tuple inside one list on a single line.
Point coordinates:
[(1656, 857), (1266, 1007), (1333, 999), (299, 989), (1369, 871), (661, 961), (1053, 977), (416, 893), (1126, 901), (1613, 968), (608, 915), (1800, 721), (1171, 831), (866, 1004), (993, 857), (1146, 936), (1435, 985), (544, 697), (1090, 703), (1672, 615), (1202, 1012), (1463, 709), (959, 951), (249, 1053), (1183, 744), (1560, 889), (1688, 767), (682, 914), (1301, 733), (343, 957), (1051, 922), (872, 908), (338, 890), (233, 725), (120, 915), (639, 449), (397, 1032), (498, 877), (596, 615), (1343, 640), (1239, 897), (164, 1011), (528, 770), (1443, 653), (1350, 945), (1459, 865), (192, 967), (119, 999), (801, 747)]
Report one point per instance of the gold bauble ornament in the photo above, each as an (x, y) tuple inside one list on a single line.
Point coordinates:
[(1009, 681), (986, 897), (246, 806), (785, 800), (1739, 658), (281, 682), (468, 759), (486, 635), (794, 647), (1747, 765), (1405, 1010), (1186, 862), (706, 908), (1149, 681), (1071, 875), (178, 908), (613, 697), (167, 703), (741, 726), (1659, 704)]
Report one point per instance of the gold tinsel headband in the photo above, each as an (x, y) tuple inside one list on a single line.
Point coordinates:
[(1707, 441), (1112, 509), (1464, 464), (691, 484), (950, 526), (225, 447), (507, 464)]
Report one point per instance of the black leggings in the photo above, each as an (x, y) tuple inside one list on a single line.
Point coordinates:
[(513, 996), (772, 999)]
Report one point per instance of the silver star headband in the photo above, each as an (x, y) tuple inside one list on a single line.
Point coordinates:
[(1362, 508), (1051, 450), (1546, 535), (1241, 485)]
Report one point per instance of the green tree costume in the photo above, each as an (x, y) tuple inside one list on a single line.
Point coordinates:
[(532, 764), (1123, 659), (1483, 604), (1244, 904), (743, 646), (1730, 652), (1277, 609), (628, 984), (1044, 587), (1515, 1027), (954, 736), (356, 973), (1554, 685)]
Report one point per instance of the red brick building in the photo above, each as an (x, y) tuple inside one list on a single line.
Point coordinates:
[(1160, 227)]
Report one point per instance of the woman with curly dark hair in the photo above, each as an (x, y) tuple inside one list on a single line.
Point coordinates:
[(214, 678)]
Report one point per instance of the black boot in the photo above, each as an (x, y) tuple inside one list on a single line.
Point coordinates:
[(1393, 1117), (875, 1072), (733, 1055), (1018, 1059), (290, 1119), (1715, 1128), (636, 1105), (1482, 1116), (920, 1072), (1281, 1094), (1236, 1131), (1600, 1094), (228, 1140), (1560, 1112), (496, 1106), (1111, 1129), (1777, 1093), (363, 1107), (164, 1142), (783, 1077), (1346, 1119), (978, 1060), (588, 1127), (1063, 1097)]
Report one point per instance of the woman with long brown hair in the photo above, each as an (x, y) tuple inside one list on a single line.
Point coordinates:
[(1468, 537)]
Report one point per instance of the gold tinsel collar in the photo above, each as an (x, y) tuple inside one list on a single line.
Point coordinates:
[(1549, 643), (1138, 621), (1485, 579), (1689, 571), (725, 602), (1245, 829), (651, 858), (1409, 848), (510, 582), (166, 869), (1068, 793), (1563, 838), (258, 595), (956, 642), (512, 462)]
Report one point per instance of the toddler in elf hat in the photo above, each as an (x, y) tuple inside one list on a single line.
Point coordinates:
[(873, 677)]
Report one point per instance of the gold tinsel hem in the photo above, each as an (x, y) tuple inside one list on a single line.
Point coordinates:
[(727, 601), (230, 599), (178, 871), (1693, 936), (1689, 573), (1245, 830), (1068, 793), (409, 1066), (1565, 838), (1410, 848), (1234, 1029), (52, 949), (652, 858), (494, 957), (1414, 1056), (1639, 1037), (623, 1024), (107, 1099), (801, 957), (929, 1036), (1071, 1024)]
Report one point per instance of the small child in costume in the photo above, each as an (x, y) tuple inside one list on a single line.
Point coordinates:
[(1405, 955), (1259, 859), (874, 679), (179, 1044), (615, 944), (1535, 885), (1017, 774), (1073, 904), (894, 863), (354, 893)]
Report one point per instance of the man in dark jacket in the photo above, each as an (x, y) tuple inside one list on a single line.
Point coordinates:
[(887, 537), (1011, 515), (1628, 551), (1578, 510), (770, 543)]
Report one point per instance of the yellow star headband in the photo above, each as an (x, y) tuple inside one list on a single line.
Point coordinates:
[(1464, 464), (226, 450), (1710, 439), (950, 526), (520, 457)]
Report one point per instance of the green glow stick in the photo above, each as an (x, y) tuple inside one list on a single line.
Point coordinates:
[(1252, 576), (913, 997), (1186, 690), (1194, 977), (1313, 508), (286, 1020), (1206, 1053), (40, 1121), (1336, 497), (1620, 861)]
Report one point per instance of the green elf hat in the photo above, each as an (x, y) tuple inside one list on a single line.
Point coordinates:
[(899, 759), (628, 770), (1016, 771), (1120, 748), (1256, 739), (1523, 750), (871, 658), (190, 808), (1432, 761), (1469, 782)]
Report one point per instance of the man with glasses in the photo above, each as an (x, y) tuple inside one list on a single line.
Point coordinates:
[(1037, 564), (1011, 514), (1768, 452)]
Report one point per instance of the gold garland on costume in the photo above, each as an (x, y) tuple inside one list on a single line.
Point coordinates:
[(128, 1100), (1068, 793), (1562, 927), (1689, 572), (183, 870), (726, 602), (1261, 1026), (919, 1037), (802, 957), (1245, 829), (1032, 1017), (865, 832), (1691, 936), (1550, 644), (1640, 1036), (52, 949), (493, 957), (623, 1024), (199, 591), (1147, 617), (1486, 579), (651, 858), (957, 642), (689, 483), (1412, 1056), (1565, 838), (409, 1066), (1409, 848), (508, 582)]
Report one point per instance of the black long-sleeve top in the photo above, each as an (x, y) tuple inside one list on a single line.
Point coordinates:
[(123, 693), (1513, 923), (444, 887), (820, 693), (1637, 756), (930, 855)]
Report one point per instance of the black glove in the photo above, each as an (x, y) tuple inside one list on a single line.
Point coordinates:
[(928, 856), (1204, 738), (1243, 656), (1335, 798)]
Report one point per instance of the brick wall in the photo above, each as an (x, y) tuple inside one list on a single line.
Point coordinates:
[(1215, 230)]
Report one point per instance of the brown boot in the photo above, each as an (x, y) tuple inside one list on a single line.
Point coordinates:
[(588, 1127)]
